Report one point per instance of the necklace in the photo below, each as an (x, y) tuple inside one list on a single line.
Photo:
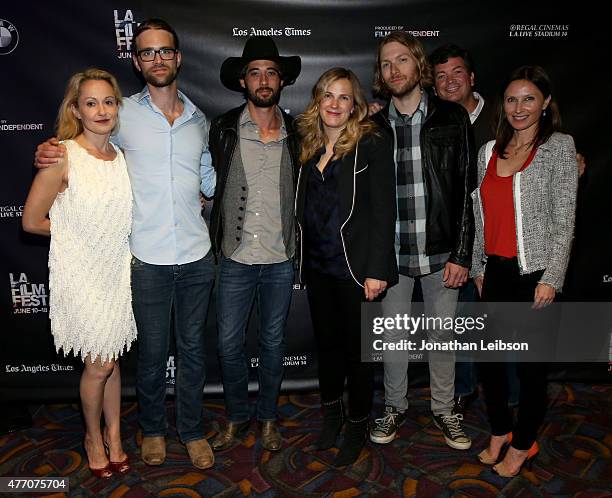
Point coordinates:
[(517, 149)]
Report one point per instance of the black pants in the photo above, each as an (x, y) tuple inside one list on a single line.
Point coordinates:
[(335, 308), (503, 283)]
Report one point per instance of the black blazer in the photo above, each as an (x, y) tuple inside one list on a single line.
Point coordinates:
[(367, 210)]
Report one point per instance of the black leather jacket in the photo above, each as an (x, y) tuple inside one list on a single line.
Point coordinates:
[(449, 172), (222, 141)]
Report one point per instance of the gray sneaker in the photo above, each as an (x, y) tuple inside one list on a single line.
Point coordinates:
[(386, 427), (454, 436)]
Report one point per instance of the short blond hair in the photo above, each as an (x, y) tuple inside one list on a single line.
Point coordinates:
[(68, 126)]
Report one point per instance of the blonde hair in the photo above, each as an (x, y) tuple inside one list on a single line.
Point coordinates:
[(68, 126), (310, 126), (415, 47)]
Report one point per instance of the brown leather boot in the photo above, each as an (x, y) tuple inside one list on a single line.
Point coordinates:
[(270, 436), (200, 453), (153, 450), (227, 436)]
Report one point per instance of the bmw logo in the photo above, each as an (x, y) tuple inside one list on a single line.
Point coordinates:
[(9, 37)]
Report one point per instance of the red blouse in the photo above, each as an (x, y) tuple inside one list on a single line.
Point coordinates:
[(498, 208)]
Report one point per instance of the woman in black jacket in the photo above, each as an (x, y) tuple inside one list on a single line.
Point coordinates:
[(345, 208)]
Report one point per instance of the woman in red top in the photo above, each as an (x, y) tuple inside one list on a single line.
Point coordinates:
[(526, 207)]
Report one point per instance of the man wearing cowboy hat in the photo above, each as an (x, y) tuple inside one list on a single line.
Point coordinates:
[(255, 154)]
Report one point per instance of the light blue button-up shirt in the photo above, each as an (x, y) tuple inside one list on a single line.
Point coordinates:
[(168, 166)]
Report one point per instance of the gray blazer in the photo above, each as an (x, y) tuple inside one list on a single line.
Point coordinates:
[(544, 210)]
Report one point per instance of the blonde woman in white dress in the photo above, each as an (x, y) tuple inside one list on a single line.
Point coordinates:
[(84, 203)]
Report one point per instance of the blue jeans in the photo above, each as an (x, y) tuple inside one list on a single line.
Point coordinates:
[(157, 291), (239, 285)]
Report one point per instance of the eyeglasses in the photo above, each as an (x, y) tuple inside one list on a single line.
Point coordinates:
[(148, 54)]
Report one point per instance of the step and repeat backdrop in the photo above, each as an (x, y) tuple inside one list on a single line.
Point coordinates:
[(43, 43)]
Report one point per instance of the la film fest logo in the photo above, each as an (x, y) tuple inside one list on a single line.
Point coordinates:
[(286, 31), (9, 37), (538, 30), (170, 370), (124, 32), (11, 211), (382, 31), (28, 298)]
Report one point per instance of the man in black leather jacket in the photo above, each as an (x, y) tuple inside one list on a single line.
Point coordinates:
[(435, 174), (255, 154)]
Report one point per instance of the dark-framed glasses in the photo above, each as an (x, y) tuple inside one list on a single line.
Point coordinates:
[(148, 54)]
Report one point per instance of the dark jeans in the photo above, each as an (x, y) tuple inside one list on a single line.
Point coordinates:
[(465, 371), (157, 291), (335, 308), (503, 283), (239, 284)]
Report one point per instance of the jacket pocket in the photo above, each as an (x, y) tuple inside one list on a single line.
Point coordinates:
[(447, 133)]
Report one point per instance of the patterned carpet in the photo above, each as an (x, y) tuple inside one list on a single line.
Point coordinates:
[(575, 458)]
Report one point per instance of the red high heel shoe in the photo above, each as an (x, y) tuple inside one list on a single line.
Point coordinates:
[(102, 472), (532, 453), (482, 456), (122, 467)]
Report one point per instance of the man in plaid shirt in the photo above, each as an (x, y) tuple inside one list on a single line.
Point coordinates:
[(436, 172)]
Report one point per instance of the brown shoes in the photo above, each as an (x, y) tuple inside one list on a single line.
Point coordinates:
[(226, 437), (153, 450), (270, 436), (200, 453)]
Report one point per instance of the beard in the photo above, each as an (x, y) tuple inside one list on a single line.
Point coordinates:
[(258, 101), (160, 81), (408, 86)]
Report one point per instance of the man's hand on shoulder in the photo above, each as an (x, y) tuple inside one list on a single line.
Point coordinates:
[(48, 153)]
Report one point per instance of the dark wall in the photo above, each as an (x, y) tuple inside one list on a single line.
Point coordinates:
[(57, 39)]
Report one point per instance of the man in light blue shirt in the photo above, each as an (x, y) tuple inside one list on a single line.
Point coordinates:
[(164, 137), (168, 165)]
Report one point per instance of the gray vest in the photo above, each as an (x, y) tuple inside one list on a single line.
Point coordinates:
[(233, 206)]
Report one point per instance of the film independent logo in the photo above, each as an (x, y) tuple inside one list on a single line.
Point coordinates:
[(9, 37)]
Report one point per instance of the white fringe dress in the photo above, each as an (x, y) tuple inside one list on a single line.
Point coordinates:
[(90, 299)]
